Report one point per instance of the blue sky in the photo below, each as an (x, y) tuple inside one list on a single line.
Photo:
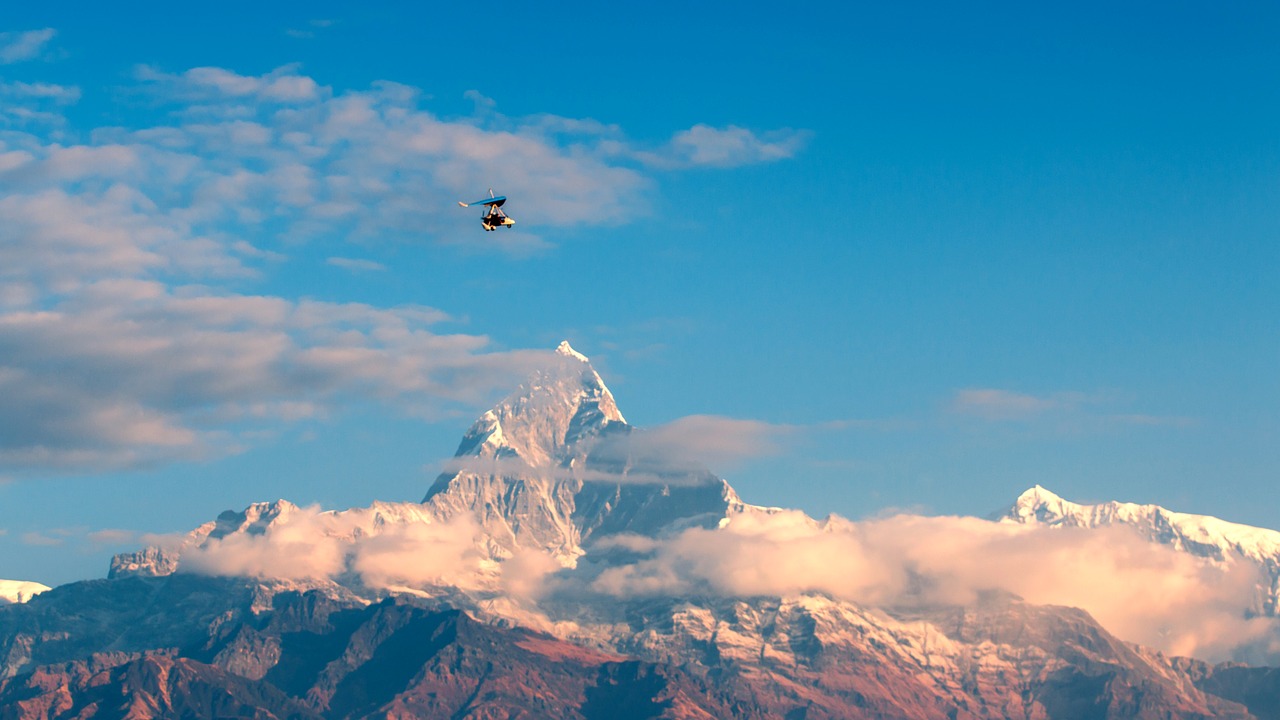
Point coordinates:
[(931, 256)]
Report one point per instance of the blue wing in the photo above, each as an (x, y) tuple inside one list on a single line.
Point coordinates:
[(489, 201)]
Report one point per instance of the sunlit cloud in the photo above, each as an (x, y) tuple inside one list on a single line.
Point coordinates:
[(384, 547), (1141, 591)]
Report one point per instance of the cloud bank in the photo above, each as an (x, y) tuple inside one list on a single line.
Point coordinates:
[(1140, 591)]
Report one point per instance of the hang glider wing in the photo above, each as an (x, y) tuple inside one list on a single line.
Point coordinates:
[(487, 201)]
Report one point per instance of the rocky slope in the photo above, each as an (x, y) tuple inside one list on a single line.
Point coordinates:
[(311, 656), (188, 646)]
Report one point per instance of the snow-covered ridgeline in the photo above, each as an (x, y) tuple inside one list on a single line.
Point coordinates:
[(1200, 535)]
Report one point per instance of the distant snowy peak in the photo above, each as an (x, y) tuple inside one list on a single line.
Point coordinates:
[(1200, 535), (561, 404), (19, 591)]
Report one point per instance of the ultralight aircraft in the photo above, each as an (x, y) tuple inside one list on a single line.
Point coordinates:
[(493, 218)]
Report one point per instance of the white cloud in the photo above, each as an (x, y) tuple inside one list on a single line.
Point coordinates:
[(38, 539), (60, 94), (1069, 411), (128, 372), (307, 544), (689, 445), (676, 453), (995, 404), (1142, 592), (356, 264), (282, 85), (28, 45), (112, 536), (300, 548), (731, 146), (311, 30)]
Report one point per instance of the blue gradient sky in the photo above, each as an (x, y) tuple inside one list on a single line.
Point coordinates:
[(934, 255)]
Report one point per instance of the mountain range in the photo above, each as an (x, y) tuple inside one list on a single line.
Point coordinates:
[(566, 565)]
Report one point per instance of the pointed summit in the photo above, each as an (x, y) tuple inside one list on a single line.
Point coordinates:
[(564, 348), (1038, 505), (544, 420), (547, 467)]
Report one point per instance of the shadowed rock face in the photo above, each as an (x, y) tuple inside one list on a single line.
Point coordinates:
[(311, 655), (316, 658), (1257, 688), (143, 687)]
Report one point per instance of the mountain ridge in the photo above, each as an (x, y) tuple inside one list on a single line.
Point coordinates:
[(1199, 535), (547, 494)]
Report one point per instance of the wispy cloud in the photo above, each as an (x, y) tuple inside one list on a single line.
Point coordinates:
[(1143, 420), (356, 264), (60, 94), (995, 404), (1069, 410), (692, 443), (112, 536), (732, 146), (19, 46), (312, 28), (48, 538)]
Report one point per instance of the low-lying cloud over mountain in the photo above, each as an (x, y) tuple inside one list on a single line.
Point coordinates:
[(520, 510), (542, 524)]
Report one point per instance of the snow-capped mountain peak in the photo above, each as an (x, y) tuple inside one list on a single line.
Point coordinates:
[(540, 423), (547, 467), (564, 348), (1041, 506), (1201, 534)]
